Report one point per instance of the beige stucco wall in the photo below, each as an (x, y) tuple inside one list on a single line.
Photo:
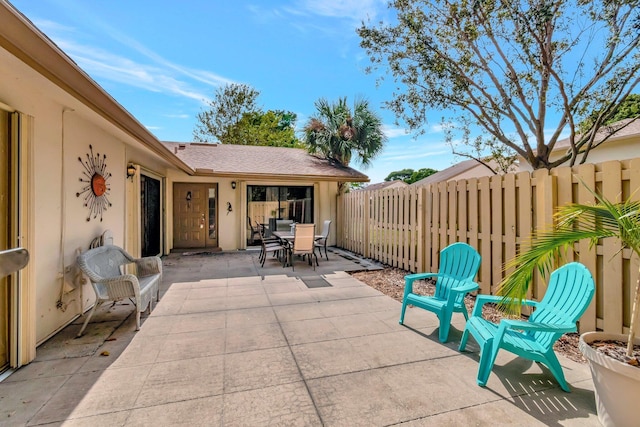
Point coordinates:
[(232, 226), (614, 149), (63, 130)]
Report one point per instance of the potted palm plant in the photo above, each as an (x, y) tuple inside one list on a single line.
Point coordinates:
[(616, 379)]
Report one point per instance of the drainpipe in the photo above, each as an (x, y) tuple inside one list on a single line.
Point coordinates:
[(64, 272)]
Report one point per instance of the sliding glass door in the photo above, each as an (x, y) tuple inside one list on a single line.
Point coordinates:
[(272, 206)]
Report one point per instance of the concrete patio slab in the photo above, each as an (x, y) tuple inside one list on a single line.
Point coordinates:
[(265, 349)]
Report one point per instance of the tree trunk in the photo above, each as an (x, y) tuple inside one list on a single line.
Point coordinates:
[(634, 318)]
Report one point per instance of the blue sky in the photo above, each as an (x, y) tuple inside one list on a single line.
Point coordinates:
[(162, 59)]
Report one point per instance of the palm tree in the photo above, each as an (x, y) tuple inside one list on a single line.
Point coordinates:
[(336, 131), (575, 222)]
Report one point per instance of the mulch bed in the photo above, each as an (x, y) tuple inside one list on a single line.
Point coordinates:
[(390, 281)]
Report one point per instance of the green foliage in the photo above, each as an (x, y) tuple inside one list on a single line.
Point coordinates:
[(409, 175), (627, 109), (233, 117), (337, 131), (273, 128), (403, 175), (353, 186), (224, 112), (573, 222), (507, 67), (420, 174)]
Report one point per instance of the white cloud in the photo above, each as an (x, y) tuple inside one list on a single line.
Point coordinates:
[(47, 26), (300, 14), (178, 116), (158, 75), (436, 128), (411, 156), (105, 65), (356, 10), (393, 131)]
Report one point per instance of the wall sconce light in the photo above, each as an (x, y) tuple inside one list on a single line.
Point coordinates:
[(233, 185), (131, 171), (188, 196)]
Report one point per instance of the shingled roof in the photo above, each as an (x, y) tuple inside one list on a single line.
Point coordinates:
[(448, 173), (250, 161), (382, 185), (622, 129)]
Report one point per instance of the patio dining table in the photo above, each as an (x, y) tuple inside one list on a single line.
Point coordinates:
[(287, 238)]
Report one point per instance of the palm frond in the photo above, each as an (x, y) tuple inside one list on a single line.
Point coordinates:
[(573, 223)]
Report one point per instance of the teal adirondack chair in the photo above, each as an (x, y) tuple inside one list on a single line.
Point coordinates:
[(570, 291), (459, 264)]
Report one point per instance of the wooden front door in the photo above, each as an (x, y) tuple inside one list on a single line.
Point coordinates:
[(194, 215)]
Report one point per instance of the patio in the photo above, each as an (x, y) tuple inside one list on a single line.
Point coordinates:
[(233, 344)]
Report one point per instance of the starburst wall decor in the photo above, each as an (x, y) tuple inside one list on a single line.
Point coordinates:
[(96, 186)]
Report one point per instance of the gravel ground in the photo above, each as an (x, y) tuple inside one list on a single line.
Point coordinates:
[(390, 281)]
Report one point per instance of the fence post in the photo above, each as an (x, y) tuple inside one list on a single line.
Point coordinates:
[(366, 218)]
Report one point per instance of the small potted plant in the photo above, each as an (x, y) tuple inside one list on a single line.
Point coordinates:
[(616, 379)]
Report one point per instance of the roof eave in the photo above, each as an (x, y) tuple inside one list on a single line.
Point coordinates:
[(247, 176)]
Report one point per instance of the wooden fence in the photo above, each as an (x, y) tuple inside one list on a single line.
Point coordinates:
[(407, 227)]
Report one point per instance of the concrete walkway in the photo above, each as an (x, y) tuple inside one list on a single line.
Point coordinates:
[(233, 344)]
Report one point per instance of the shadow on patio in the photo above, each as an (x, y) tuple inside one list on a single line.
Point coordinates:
[(231, 343)]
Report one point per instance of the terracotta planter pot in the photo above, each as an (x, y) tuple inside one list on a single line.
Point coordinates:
[(617, 385)]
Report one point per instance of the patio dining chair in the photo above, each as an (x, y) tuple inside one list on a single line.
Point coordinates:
[(321, 242), (304, 243), (278, 248), (459, 264), (254, 231), (568, 295)]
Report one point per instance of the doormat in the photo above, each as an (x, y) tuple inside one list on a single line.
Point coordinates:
[(350, 258), (315, 282), (200, 253)]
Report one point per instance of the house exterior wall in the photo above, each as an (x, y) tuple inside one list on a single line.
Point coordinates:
[(63, 129), (232, 235), (615, 149)]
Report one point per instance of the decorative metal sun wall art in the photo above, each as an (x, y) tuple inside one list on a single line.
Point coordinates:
[(95, 179)]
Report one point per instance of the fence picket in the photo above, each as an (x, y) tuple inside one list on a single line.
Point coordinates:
[(435, 232), (612, 256), (484, 197), (564, 192), (472, 210), (510, 215), (587, 174), (452, 217), (524, 201), (462, 213), (634, 264)]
